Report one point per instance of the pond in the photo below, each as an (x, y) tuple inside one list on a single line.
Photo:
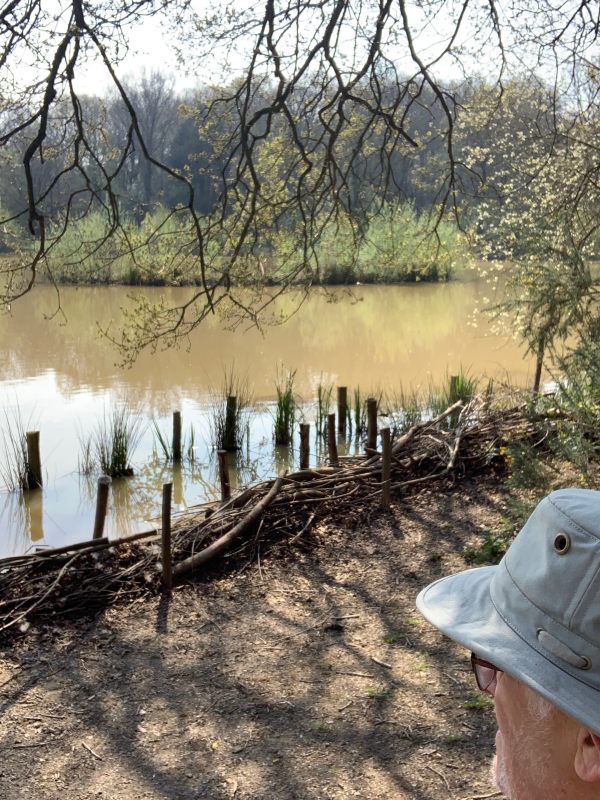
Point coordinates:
[(59, 376)]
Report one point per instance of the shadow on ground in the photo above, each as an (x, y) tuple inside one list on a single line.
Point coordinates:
[(311, 676)]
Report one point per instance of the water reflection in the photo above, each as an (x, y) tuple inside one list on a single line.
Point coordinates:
[(63, 377)]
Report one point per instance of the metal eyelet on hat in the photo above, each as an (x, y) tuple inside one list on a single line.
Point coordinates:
[(562, 543)]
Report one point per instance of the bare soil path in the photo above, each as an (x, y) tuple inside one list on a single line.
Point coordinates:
[(308, 676)]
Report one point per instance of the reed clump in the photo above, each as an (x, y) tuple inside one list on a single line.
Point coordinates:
[(406, 408), (324, 395), (358, 413), (14, 467), (229, 415), (164, 447), (285, 408), (115, 440)]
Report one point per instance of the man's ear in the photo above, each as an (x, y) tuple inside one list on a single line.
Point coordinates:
[(587, 757)]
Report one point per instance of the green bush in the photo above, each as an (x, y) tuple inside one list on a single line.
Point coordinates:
[(399, 246)]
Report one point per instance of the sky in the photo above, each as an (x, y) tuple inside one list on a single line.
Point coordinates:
[(151, 47)]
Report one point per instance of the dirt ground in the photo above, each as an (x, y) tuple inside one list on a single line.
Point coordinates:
[(308, 676)]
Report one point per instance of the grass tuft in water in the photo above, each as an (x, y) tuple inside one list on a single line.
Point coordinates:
[(163, 446), (324, 394), (358, 413), (13, 469), (285, 408), (85, 461), (405, 409), (115, 439), (162, 442), (229, 414)]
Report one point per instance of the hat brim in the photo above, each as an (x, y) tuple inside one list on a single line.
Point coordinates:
[(461, 607)]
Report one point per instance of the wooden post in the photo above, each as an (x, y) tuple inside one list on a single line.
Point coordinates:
[(331, 443), (230, 433), (167, 564), (342, 403), (101, 505), (177, 436), (224, 475), (453, 388), (304, 446), (386, 466), (371, 424), (34, 464)]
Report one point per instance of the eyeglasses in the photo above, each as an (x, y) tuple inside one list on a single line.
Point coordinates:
[(485, 674)]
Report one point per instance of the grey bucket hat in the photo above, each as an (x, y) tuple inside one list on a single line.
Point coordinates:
[(537, 614)]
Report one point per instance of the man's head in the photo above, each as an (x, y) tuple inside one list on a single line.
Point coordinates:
[(533, 624)]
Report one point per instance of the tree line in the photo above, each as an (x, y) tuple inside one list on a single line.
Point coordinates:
[(335, 113)]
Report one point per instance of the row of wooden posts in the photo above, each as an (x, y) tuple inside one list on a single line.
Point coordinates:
[(386, 471), (34, 465), (167, 562), (34, 471)]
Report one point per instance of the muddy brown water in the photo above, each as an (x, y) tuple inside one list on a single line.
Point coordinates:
[(60, 377)]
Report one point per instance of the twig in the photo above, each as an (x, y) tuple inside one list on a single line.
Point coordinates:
[(356, 674), (440, 774), (304, 529), (381, 663), (89, 749)]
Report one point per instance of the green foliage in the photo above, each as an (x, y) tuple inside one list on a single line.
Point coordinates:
[(538, 210), (162, 441), (394, 638), (399, 245), (493, 546), (157, 251), (527, 470), (379, 692), (189, 445)]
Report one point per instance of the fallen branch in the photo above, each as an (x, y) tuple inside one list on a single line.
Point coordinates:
[(218, 547)]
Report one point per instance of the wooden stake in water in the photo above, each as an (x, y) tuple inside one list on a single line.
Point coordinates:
[(167, 564), (101, 505), (386, 466), (453, 388), (371, 423), (224, 475), (304, 445), (342, 403), (331, 443), (230, 434), (177, 436), (34, 464)]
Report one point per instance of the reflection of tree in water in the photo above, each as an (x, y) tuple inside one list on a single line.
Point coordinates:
[(137, 500)]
